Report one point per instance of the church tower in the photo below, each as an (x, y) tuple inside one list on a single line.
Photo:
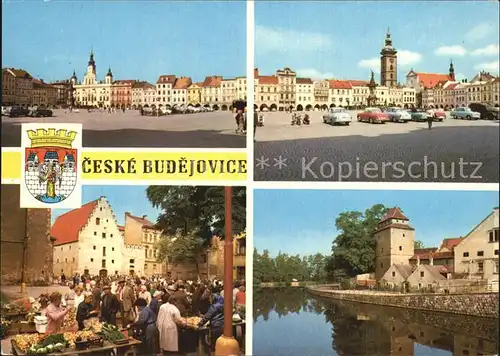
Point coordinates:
[(395, 240), (90, 76), (109, 77), (452, 71), (388, 63)]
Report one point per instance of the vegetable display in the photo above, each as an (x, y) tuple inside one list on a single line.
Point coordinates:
[(4, 326), (93, 324), (70, 322), (26, 341), (111, 333)]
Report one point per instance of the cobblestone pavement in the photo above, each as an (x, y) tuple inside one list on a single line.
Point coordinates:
[(130, 129), (453, 151)]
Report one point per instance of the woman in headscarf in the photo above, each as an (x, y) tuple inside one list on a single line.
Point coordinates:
[(169, 317), (55, 313), (85, 310), (215, 316), (145, 327)]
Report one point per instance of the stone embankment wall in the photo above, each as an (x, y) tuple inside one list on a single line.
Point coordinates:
[(474, 304)]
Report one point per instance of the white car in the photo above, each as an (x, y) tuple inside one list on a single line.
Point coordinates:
[(165, 111), (337, 116), (5, 110)]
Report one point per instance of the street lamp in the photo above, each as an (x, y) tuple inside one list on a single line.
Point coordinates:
[(226, 345)]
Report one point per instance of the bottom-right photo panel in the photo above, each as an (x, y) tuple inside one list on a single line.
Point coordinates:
[(375, 272)]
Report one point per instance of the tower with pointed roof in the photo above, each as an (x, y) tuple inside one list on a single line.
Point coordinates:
[(90, 76), (395, 240), (452, 71), (109, 76), (388, 63)]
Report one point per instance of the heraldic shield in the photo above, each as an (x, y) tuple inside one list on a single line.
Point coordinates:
[(51, 165)]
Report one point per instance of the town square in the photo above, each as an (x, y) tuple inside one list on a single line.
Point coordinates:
[(384, 99), (153, 95)]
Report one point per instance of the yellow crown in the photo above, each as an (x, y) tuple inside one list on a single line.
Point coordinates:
[(51, 138)]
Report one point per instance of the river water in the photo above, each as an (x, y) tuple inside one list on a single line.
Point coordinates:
[(290, 322)]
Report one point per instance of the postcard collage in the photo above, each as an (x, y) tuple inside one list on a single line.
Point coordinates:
[(337, 162)]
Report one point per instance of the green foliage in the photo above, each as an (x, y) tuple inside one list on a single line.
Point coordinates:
[(197, 208), (180, 248), (353, 250), (418, 244), (284, 268)]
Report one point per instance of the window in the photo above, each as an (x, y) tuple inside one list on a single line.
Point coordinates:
[(97, 221), (94, 247), (112, 261), (103, 263), (466, 254), (112, 248), (496, 252), (480, 253), (394, 274), (104, 250), (91, 260), (480, 267), (110, 235), (493, 235), (422, 274), (103, 235), (381, 265), (95, 233), (400, 248), (495, 269), (132, 261), (73, 259)]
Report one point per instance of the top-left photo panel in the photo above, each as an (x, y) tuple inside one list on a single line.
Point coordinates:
[(133, 74)]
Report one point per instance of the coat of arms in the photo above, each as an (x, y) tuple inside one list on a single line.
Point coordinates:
[(51, 165)]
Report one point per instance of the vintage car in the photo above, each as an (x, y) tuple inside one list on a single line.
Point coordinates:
[(437, 114), (487, 111), (337, 116), (373, 115), (40, 112), (398, 115), (419, 115), (465, 113), (17, 111)]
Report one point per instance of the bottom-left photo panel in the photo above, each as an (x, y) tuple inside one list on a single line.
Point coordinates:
[(139, 270)]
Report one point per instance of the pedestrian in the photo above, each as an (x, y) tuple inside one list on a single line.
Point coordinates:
[(255, 122), (182, 303), (96, 295), (55, 313), (430, 119), (85, 310), (127, 299), (215, 316), (145, 328), (169, 317), (110, 306)]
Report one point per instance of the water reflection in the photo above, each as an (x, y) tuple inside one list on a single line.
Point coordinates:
[(290, 322)]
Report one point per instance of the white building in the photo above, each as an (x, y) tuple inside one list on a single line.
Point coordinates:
[(180, 92), (164, 87), (304, 94)]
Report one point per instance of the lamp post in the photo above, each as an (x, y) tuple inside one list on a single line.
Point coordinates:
[(226, 344)]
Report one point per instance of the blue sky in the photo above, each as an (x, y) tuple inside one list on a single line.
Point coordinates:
[(122, 199), (303, 221), (343, 40), (138, 39)]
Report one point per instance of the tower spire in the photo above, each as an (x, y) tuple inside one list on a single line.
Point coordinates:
[(91, 59), (451, 71)]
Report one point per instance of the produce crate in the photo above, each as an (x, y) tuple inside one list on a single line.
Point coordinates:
[(21, 328)]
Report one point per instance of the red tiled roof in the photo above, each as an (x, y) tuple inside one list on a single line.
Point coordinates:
[(339, 84), (182, 83), (303, 81), (429, 80), (143, 221), (496, 80), (451, 243), (124, 82), (268, 79), (67, 227), (422, 251), (435, 256), (213, 81), (121, 228), (452, 86), (359, 83), (394, 213), (143, 85), (166, 79)]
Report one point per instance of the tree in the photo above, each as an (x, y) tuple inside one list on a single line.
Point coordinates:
[(353, 250), (197, 208), (418, 244), (181, 248)]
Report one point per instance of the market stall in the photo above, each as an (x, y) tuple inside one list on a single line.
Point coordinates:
[(96, 338)]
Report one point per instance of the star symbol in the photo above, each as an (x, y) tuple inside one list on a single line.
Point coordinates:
[(262, 162), (280, 162)]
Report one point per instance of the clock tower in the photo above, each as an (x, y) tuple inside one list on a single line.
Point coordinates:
[(388, 63)]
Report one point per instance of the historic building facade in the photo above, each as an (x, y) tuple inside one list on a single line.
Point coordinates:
[(194, 93), (286, 88), (211, 92), (180, 92), (121, 94), (91, 92), (17, 84), (304, 93)]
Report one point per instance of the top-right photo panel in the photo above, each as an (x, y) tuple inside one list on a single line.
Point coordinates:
[(377, 91)]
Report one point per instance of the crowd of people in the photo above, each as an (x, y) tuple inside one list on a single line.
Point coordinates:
[(151, 308)]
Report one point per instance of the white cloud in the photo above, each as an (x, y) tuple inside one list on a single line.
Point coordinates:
[(456, 50), (313, 74), (372, 64), (268, 39), (480, 31), (491, 50), (489, 66), (408, 58)]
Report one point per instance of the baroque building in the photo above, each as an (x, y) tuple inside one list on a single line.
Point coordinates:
[(92, 92)]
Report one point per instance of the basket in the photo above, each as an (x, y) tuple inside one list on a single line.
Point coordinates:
[(82, 345), (41, 324)]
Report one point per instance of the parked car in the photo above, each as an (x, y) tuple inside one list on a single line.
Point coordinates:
[(465, 113), (165, 111), (437, 114), (398, 115), (419, 115), (337, 116), (373, 115), (5, 110), (487, 111), (40, 112), (17, 111)]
